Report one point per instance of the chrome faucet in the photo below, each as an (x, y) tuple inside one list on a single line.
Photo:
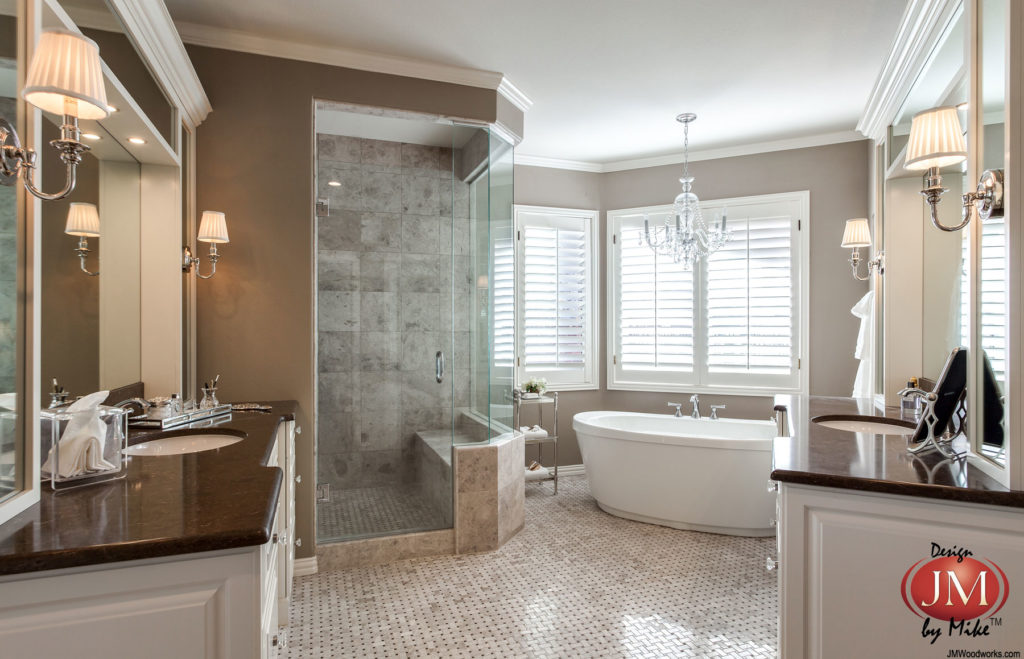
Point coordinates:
[(695, 399), (142, 403), (679, 409), (714, 411)]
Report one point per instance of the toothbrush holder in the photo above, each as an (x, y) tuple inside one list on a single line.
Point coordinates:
[(209, 398)]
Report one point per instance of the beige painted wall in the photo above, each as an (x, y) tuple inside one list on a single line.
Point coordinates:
[(254, 161), (838, 178)]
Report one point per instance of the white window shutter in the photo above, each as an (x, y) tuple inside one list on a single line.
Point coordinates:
[(656, 328), (750, 302), (556, 279), (735, 322), (503, 296), (554, 309)]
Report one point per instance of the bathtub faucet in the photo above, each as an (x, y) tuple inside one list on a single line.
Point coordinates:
[(679, 409), (695, 399)]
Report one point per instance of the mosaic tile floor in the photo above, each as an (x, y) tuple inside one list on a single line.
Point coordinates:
[(575, 582), (368, 511)]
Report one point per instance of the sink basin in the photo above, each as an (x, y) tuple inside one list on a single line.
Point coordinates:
[(182, 444), (875, 425)]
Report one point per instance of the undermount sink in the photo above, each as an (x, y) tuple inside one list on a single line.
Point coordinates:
[(182, 444), (875, 425)]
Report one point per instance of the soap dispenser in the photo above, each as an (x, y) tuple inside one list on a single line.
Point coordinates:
[(911, 405)]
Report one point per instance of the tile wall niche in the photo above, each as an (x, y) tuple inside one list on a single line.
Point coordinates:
[(385, 264)]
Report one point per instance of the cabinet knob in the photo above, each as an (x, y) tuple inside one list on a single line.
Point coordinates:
[(773, 522), (298, 430), (771, 564), (298, 478), (773, 486), (298, 542)]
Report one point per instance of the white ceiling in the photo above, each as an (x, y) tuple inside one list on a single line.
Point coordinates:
[(607, 77)]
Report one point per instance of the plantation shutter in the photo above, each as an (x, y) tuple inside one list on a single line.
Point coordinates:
[(503, 296), (993, 295), (556, 272), (750, 298), (655, 303)]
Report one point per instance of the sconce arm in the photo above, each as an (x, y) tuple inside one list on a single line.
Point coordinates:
[(14, 158), (986, 201), (876, 263), (932, 196), (83, 253), (188, 261)]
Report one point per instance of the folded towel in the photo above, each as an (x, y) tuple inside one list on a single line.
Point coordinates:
[(536, 432), (81, 443)]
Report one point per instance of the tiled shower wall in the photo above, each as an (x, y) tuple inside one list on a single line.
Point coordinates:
[(385, 264)]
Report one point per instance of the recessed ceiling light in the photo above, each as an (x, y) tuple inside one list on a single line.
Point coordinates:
[(334, 184), (111, 108), (136, 140), (90, 136)]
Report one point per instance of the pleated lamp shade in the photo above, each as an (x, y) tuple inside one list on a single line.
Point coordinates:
[(213, 228), (936, 139), (857, 233), (83, 220), (66, 77)]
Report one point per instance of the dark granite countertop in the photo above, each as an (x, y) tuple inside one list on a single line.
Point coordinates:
[(816, 455), (165, 506)]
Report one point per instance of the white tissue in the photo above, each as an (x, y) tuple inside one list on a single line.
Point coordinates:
[(81, 444)]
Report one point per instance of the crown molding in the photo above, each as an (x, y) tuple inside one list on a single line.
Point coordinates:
[(350, 58), (920, 29), (558, 163), (154, 35), (705, 154), (514, 95)]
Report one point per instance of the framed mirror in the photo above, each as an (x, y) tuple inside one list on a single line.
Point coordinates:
[(90, 331), (991, 307), (925, 288), (11, 448)]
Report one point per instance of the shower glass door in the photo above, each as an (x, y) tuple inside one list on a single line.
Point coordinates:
[(402, 297)]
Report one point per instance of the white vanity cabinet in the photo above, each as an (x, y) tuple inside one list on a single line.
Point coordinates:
[(842, 558), (226, 604)]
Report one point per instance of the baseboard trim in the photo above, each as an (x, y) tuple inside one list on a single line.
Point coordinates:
[(571, 470), (305, 566)]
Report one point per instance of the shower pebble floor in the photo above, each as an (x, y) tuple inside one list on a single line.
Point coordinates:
[(575, 582)]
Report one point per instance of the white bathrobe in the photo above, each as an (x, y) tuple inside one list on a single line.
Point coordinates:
[(865, 350)]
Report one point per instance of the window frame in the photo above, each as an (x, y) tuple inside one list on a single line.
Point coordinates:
[(697, 381), (590, 378)]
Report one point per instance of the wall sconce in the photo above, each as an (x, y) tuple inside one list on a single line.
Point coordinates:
[(937, 140), (84, 222), (213, 229), (856, 235), (65, 77)]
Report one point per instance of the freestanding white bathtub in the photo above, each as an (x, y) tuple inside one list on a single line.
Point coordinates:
[(698, 474)]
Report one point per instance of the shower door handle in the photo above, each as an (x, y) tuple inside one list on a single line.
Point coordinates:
[(439, 366)]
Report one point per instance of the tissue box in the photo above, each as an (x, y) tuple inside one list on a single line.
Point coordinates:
[(55, 422)]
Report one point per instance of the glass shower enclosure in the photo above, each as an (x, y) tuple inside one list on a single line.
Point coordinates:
[(413, 247)]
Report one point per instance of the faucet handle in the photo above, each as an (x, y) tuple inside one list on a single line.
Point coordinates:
[(679, 408), (714, 411)]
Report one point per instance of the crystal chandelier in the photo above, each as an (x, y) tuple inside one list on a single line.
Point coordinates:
[(685, 236)]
